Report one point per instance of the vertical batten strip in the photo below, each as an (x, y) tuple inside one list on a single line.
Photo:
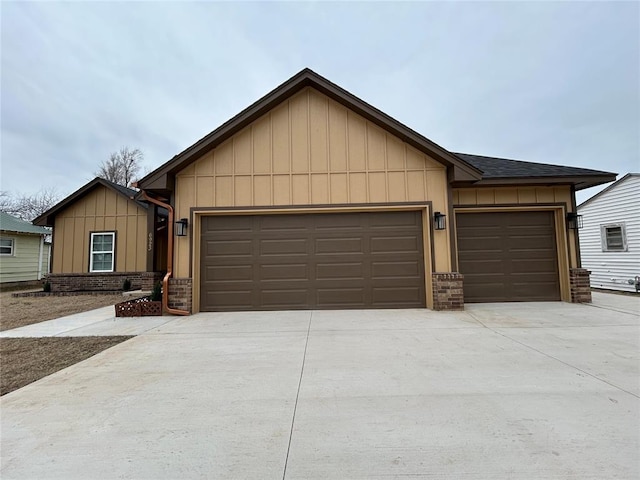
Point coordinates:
[(309, 179), (366, 160), (348, 158), (271, 168), (406, 174), (328, 151), (386, 167)]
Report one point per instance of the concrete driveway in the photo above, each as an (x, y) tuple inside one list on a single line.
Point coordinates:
[(500, 391)]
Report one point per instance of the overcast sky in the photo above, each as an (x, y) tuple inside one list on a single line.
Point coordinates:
[(552, 82)]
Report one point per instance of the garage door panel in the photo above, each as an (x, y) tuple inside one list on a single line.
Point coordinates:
[(508, 256), (395, 244), (224, 248), (383, 220), (483, 267), (313, 261), (283, 298), (395, 269), (229, 273), (233, 224), (341, 297), (228, 300), (289, 246), (533, 267), (392, 296), (288, 271), (340, 271), (340, 246), (329, 222), (281, 223)]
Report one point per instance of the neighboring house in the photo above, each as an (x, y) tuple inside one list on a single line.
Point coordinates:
[(313, 199), (24, 250), (101, 236), (610, 237)]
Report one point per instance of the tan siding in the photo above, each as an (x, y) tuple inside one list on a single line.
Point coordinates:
[(310, 151), (100, 210)]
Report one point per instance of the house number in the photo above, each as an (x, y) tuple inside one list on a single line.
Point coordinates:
[(150, 243)]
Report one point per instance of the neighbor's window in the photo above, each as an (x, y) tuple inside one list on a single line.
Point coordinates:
[(614, 238), (102, 252), (6, 246)]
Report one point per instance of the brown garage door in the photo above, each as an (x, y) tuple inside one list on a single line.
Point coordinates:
[(312, 261), (508, 256)]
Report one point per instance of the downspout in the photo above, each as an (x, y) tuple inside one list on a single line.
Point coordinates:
[(165, 281)]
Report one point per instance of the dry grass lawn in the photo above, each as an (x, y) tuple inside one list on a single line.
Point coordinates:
[(25, 360), (20, 311)]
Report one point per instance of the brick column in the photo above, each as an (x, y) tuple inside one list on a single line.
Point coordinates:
[(580, 285), (180, 293), (447, 291)]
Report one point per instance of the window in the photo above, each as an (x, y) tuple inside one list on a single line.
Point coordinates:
[(614, 238), (6, 246), (102, 252)]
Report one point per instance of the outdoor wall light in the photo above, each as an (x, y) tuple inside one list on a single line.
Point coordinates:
[(439, 221), (574, 221), (181, 227)]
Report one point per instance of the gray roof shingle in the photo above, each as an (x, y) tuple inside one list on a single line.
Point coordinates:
[(507, 168), (9, 223)]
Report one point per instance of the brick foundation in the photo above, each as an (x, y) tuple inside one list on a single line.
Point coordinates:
[(580, 285), (180, 293), (89, 282), (447, 291)]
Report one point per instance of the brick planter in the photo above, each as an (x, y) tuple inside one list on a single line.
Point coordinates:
[(141, 307)]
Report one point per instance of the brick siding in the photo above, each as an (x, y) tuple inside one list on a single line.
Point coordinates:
[(579, 278), (447, 291), (180, 290), (149, 279)]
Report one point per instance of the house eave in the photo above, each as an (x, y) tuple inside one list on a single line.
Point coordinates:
[(578, 182)]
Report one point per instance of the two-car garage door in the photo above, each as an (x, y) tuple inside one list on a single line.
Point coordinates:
[(508, 256), (312, 261)]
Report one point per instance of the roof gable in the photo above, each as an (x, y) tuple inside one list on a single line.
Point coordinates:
[(160, 178), (47, 217), (9, 223)]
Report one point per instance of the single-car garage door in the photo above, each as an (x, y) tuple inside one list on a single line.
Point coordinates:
[(508, 256), (312, 261)]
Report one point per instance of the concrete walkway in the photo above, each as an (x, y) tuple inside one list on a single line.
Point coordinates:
[(500, 391), (101, 321)]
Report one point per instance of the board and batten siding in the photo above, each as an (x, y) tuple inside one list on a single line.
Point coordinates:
[(22, 266), (310, 150), (525, 196), (100, 210), (620, 204)]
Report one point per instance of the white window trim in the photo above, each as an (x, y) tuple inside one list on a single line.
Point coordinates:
[(603, 237), (13, 247), (112, 252)]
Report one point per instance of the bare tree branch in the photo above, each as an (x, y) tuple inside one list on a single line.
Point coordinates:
[(122, 167), (28, 207)]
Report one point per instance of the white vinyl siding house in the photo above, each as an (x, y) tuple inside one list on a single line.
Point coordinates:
[(610, 237)]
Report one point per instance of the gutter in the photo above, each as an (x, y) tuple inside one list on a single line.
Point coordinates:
[(165, 280)]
